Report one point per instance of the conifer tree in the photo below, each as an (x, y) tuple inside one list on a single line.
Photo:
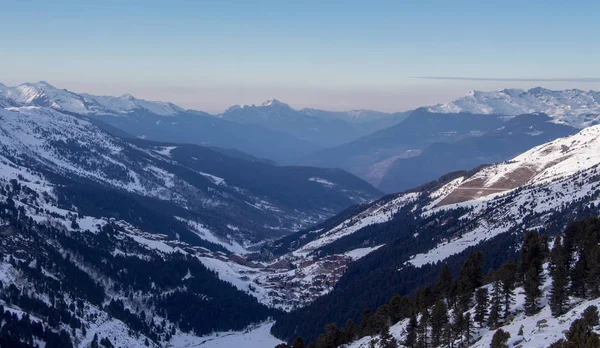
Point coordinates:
[(471, 277), (442, 287), (387, 340), (298, 343), (411, 331), (558, 294), (481, 305), (458, 326), (593, 277), (422, 337), (500, 339), (578, 275), (439, 322), (495, 305), (350, 331), (507, 274), (468, 328), (532, 289)]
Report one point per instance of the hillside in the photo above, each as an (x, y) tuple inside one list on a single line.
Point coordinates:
[(409, 234)]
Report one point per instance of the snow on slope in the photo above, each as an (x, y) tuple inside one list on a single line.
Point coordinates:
[(254, 337), (375, 214), (573, 107), (68, 145), (44, 94), (556, 174), (539, 330)]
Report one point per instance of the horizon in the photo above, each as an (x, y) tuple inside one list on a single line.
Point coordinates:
[(381, 55), (283, 101)]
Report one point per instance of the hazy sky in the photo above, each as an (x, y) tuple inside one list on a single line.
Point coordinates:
[(337, 54)]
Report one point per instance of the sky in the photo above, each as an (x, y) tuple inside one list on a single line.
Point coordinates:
[(335, 54)]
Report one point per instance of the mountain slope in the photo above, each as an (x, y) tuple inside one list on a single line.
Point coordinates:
[(487, 209), (196, 183), (515, 136), (161, 121)]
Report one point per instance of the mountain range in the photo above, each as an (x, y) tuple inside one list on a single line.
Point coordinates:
[(273, 130), (381, 156), (108, 237)]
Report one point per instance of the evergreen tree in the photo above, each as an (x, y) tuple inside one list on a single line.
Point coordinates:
[(458, 326), (495, 306), (411, 331), (387, 340), (422, 338), (590, 316), (439, 322), (507, 274), (350, 331), (531, 255), (471, 277), (95, 341), (532, 289), (578, 276), (468, 328), (500, 339), (298, 343), (558, 294), (442, 287), (481, 305), (593, 277)]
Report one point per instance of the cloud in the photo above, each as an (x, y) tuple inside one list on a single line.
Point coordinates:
[(510, 79)]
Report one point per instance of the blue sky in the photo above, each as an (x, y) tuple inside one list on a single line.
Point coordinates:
[(332, 54)]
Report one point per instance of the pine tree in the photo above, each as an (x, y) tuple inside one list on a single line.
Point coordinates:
[(411, 331), (422, 337), (593, 277), (453, 294), (532, 289), (298, 343), (350, 331), (442, 287), (468, 328), (471, 277), (530, 267), (507, 274), (495, 306), (481, 305), (95, 341), (531, 255), (500, 339), (578, 276), (387, 340), (439, 322), (558, 294), (458, 326), (590, 316)]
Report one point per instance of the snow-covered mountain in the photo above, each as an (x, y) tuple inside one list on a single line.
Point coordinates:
[(44, 94), (191, 177), (573, 107), (407, 236)]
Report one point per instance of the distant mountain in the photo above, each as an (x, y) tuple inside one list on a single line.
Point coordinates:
[(364, 121), (513, 137), (370, 156), (162, 121), (325, 128), (572, 107)]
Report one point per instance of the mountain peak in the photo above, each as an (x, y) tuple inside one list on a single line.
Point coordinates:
[(274, 102)]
